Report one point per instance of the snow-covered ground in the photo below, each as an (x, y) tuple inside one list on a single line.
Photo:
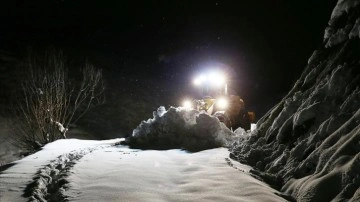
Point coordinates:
[(85, 170)]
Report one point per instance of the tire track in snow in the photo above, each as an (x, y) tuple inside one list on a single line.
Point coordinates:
[(50, 181)]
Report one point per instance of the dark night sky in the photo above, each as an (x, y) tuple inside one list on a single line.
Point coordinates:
[(263, 45)]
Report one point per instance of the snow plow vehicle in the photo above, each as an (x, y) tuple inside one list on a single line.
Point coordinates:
[(229, 109)]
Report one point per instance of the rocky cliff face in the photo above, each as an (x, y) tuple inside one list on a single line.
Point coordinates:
[(308, 145)]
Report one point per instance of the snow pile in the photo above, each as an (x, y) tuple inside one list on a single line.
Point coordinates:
[(180, 128), (308, 145)]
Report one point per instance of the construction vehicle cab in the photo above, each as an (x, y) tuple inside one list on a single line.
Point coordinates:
[(229, 109)]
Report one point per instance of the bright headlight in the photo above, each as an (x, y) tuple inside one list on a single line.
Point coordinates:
[(216, 79), (211, 78), (187, 104), (200, 80), (222, 103), (221, 80), (197, 82)]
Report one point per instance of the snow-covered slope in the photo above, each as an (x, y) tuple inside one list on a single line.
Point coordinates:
[(84, 170), (309, 144)]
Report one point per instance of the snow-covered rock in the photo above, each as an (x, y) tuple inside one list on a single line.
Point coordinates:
[(308, 145)]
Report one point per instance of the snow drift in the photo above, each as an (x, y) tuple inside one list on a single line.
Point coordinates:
[(308, 145), (180, 128)]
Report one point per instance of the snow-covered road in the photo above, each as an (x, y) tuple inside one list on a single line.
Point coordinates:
[(80, 170)]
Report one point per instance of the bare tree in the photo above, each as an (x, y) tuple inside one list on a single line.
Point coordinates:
[(50, 100)]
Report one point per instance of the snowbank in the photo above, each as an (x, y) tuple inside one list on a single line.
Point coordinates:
[(180, 128), (308, 145)]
